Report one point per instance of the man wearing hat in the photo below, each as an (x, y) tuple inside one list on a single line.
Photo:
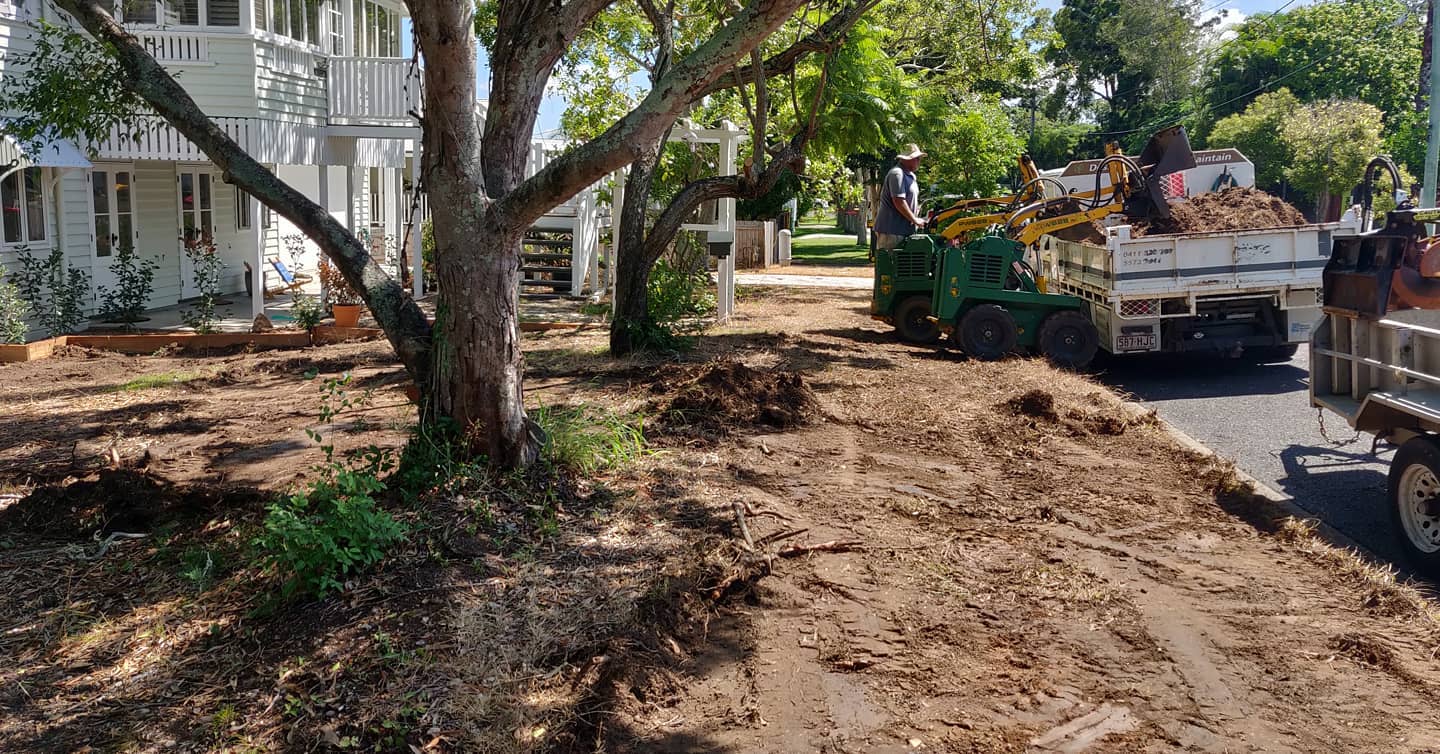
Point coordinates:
[(899, 213)]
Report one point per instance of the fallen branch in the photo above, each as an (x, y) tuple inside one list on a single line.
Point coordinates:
[(835, 545), (781, 535)]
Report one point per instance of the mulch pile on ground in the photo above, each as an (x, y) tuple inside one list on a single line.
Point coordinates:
[(116, 500), (1238, 208), (727, 395)]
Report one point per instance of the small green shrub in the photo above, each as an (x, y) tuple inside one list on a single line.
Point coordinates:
[(13, 311), (205, 267), (56, 295), (333, 529), (584, 440), (307, 311), (134, 282)]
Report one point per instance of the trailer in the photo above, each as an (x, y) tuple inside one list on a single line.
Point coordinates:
[(1218, 293)]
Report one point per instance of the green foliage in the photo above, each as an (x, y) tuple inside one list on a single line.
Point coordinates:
[(1258, 133), (1054, 144), (1331, 142), (971, 149), (151, 381), (1128, 61), (680, 289), (584, 440), (334, 527), (56, 294), (1358, 49), (206, 266), (134, 282), (318, 536), (436, 458), (770, 205), (1409, 133), (73, 88), (306, 311), (13, 311)]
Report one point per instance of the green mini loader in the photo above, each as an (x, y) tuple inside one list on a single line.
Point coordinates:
[(983, 295)]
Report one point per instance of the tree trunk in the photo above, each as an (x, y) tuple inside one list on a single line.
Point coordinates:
[(630, 315), (479, 369)]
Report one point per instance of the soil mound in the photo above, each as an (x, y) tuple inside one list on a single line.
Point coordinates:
[(1236, 208), (727, 395), (1036, 403), (115, 500)]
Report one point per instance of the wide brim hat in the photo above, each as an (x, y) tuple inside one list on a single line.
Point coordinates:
[(910, 152)]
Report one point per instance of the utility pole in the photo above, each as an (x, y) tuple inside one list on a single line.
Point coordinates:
[(1432, 150)]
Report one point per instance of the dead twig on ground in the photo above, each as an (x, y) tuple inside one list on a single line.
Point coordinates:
[(834, 545)]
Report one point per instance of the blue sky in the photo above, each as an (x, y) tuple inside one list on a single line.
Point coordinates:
[(1235, 10)]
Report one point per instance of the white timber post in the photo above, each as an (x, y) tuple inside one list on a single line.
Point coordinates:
[(725, 269), (257, 285), (417, 260), (617, 207), (351, 214), (784, 253)]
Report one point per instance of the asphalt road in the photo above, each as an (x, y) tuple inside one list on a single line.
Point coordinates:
[(1258, 415)]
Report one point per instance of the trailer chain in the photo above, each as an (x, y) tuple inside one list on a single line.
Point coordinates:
[(1320, 417)]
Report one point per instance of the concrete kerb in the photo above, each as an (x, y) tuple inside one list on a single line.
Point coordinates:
[(1286, 504)]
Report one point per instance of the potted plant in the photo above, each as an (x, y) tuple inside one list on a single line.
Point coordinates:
[(345, 302)]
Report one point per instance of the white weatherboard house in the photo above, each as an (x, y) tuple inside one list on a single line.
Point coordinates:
[(316, 89)]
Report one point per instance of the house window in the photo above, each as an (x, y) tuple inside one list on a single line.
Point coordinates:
[(197, 205), (377, 31), (242, 210), (114, 210), (377, 197), (22, 195), (221, 13)]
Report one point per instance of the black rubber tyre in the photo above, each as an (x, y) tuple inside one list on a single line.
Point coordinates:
[(911, 322), (1414, 493), (987, 332), (1273, 354), (1068, 339)]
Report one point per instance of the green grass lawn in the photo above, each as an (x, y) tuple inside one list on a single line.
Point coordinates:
[(824, 244)]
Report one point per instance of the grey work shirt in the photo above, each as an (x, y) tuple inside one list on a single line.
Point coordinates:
[(898, 183)]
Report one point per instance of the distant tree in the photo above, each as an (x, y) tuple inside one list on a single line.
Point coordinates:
[(971, 150), (1330, 143), (1367, 50), (1125, 61), (1258, 132), (1053, 143)]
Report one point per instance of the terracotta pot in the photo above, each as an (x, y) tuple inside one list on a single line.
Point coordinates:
[(346, 315)]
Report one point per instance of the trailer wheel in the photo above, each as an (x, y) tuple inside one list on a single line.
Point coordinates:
[(1068, 339), (912, 323), (987, 332), (1414, 491)]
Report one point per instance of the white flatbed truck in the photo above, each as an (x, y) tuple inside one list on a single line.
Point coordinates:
[(1221, 292)]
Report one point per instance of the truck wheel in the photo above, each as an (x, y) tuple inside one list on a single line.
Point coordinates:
[(1415, 501), (911, 322), (1068, 339), (987, 332)]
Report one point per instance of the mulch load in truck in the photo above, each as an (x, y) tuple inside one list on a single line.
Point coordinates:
[(1217, 277)]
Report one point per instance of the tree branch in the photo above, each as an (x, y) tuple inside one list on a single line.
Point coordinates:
[(685, 83), (827, 36), (404, 324)]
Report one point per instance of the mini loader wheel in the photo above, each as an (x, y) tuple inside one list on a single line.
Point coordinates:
[(1414, 492), (987, 332), (1068, 339), (913, 323)]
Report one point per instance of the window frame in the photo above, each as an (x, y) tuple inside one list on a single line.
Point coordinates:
[(46, 217), (112, 211)]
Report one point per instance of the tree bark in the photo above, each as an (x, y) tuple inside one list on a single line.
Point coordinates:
[(479, 367), (404, 324), (630, 313)]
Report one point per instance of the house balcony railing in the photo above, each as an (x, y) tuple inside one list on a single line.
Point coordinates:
[(373, 91)]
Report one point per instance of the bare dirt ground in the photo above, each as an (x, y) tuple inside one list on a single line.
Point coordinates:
[(842, 544)]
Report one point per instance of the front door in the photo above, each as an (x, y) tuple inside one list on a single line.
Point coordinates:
[(197, 219), (112, 192)]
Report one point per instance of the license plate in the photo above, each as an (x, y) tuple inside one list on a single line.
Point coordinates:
[(1142, 342)]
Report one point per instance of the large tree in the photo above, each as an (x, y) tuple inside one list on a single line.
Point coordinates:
[(471, 368), (1368, 50)]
